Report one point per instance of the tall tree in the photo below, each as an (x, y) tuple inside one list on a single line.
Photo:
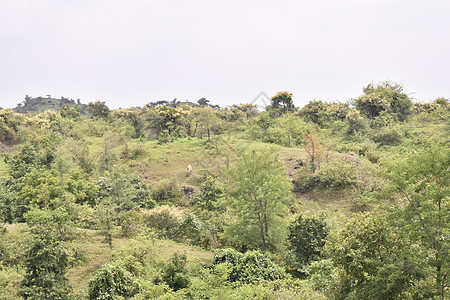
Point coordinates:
[(259, 192), (283, 101), (421, 186), (46, 259)]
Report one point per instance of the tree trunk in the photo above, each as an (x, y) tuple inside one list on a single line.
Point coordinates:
[(263, 237)]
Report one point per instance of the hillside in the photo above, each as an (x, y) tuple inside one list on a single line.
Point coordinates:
[(41, 104), (202, 202)]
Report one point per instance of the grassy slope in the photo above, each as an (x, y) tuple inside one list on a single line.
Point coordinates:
[(170, 160), (100, 253)]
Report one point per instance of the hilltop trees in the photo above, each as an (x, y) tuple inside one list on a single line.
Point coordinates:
[(283, 101), (98, 109), (385, 97)]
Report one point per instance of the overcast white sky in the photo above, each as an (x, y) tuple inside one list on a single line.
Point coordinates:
[(131, 52)]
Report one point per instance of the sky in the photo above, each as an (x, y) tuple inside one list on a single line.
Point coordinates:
[(131, 52)]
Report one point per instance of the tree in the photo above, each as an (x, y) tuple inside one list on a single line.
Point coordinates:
[(46, 259), (384, 96), (207, 120), (46, 263), (209, 194), (307, 237), (375, 259), (98, 109), (313, 148), (421, 186), (8, 201), (283, 101), (259, 191), (203, 102), (250, 110), (134, 116)]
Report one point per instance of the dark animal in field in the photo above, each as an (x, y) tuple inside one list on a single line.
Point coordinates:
[(299, 163), (188, 191)]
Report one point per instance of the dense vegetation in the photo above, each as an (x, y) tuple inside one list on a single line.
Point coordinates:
[(192, 201)]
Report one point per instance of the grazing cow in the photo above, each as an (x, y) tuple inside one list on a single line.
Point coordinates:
[(189, 170)]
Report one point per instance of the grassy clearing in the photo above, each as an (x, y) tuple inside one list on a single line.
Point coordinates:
[(99, 254)]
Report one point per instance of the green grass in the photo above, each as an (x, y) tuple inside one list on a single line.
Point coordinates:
[(4, 169), (99, 254)]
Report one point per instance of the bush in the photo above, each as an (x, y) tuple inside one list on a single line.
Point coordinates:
[(337, 173), (251, 267), (209, 194), (112, 281), (369, 149), (46, 264), (388, 136), (165, 220), (190, 227), (167, 191), (175, 272), (131, 223), (307, 237), (305, 180)]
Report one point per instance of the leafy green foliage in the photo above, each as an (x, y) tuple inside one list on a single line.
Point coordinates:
[(250, 267), (175, 273), (323, 113), (377, 262), (421, 182), (46, 263), (209, 194), (283, 101), (46, 259), (307, 237), (167, 191), (385, 96), (98, 109), (260, 193), (112, 281)]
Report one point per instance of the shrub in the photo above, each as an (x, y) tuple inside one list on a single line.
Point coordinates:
[(46, 264), (175, 272), (167, 191), (336, 173), (164, 219), (112, 281), (209, 194), (251, 267), (388, 136), (305, 179), (307, 237), (131, 223)]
